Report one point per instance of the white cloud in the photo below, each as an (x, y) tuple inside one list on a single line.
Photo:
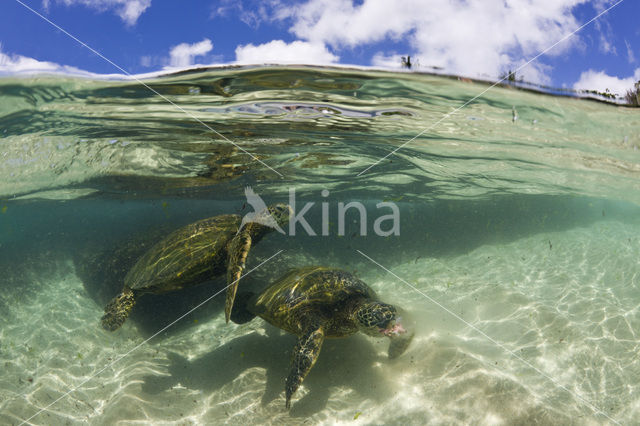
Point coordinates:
[(146, 61), (11, 64), (252, 12), (183, 54), (630, 56), (18, 64), (468, 37), (128, 10), (380, 59), (606, 34), (279, 52), (601, 81)]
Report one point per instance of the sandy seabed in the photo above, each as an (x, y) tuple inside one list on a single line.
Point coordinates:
[(558, 312)]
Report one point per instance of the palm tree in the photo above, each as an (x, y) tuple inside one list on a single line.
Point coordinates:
[(633, 96)]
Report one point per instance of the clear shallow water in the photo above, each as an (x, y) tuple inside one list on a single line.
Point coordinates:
[(527, 230)]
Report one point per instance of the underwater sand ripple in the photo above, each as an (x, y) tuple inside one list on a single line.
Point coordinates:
[(550, 305)]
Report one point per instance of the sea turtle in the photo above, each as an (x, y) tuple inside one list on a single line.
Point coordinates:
[(317, 302), (192, 254)]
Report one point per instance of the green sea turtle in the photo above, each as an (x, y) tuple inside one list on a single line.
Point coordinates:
[(317, 302), (192, 254)]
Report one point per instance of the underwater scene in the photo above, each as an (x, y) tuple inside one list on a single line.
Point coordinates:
[(185, 251)]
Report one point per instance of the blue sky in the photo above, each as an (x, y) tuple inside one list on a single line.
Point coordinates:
[(476, 38)]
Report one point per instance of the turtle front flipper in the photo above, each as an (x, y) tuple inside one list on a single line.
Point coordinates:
[(303, 358), (238, 251), (118, 309)]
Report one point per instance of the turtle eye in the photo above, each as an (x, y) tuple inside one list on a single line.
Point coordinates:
[(385, 321), (384, 316)]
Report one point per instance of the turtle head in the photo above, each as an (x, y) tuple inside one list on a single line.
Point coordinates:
[(276, 216), (281, 213), (378, 319)]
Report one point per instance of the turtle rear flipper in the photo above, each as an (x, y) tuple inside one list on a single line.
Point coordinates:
[(118, 309), (238, 251), (305, 355)]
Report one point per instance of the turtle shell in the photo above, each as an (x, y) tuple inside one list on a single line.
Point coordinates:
[(189, 255), (319, 289)]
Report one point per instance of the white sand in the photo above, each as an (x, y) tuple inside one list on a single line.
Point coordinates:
[(571, 311)]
